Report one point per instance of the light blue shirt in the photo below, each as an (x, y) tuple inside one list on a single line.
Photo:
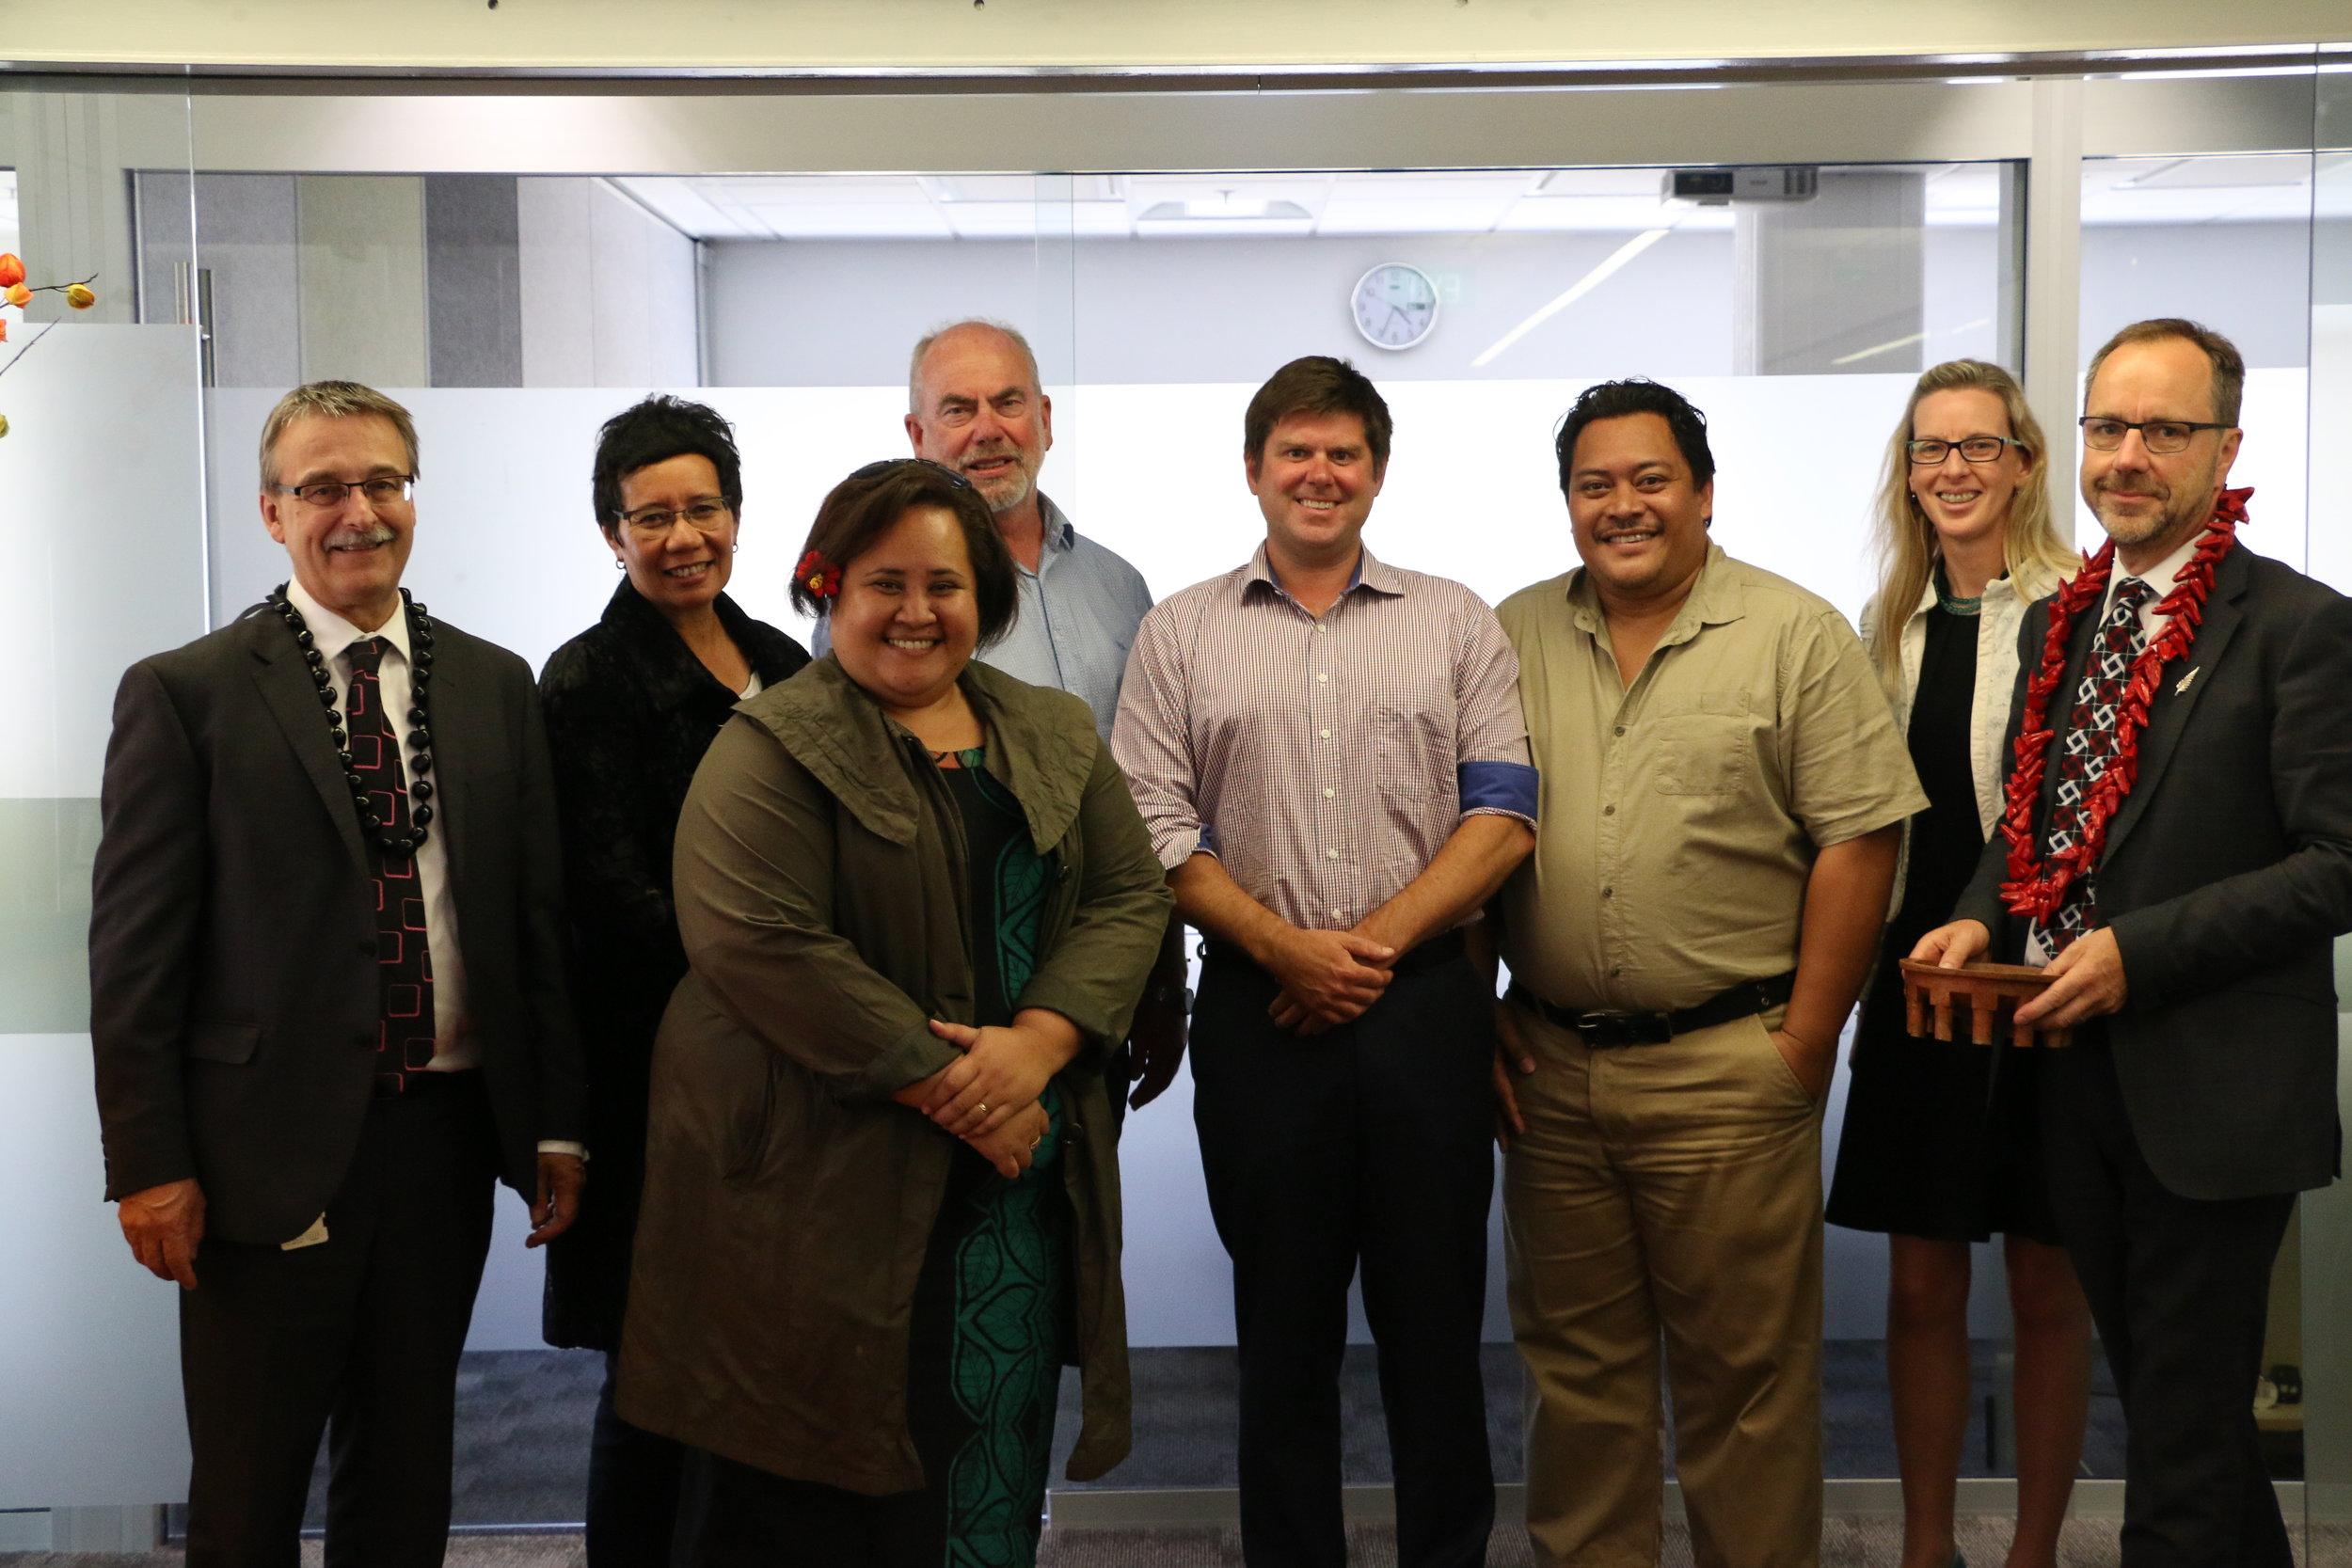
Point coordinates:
[(1079, 611)]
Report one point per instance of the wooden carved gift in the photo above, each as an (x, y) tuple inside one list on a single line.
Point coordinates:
[(1981, 999)]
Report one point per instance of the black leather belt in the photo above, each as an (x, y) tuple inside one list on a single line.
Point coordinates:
[(1429, 955), (1601, 1030)]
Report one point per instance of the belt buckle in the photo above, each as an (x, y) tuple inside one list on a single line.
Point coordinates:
[(1606, 1031)]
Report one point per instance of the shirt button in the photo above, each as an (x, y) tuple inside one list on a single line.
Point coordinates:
[(1328, 793), (1615, 973), (1620, 729), (1321, 629), (1336, 915), (1608, 893), (1330, 854), (1322, 678), (1609, 811), (1325, 734)]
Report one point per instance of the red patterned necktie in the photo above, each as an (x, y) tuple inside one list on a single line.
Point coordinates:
[(405, 1032), (2090, 749)]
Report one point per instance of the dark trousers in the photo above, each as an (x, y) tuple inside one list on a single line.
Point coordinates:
[(632, 1487), (1371, 1143), (2180, 1288), (365, 1328)]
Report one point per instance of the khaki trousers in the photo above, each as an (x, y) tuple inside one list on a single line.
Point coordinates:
[(1669, 1190)]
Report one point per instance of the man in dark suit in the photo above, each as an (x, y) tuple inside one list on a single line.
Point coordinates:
[(327, 1004), (2186, 917)]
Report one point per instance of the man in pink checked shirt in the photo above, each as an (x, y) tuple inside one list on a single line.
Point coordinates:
[(1329, 755)]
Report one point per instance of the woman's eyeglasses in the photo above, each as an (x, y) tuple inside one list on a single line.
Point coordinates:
[(1977, 448)]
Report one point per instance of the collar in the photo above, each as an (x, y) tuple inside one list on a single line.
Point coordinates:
[(672, 672), (1370, 573), (2162, 575), (1716, 599), (331, 634), (1058, 533), (1041, 746)]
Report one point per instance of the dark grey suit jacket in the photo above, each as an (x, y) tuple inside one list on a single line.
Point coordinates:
[(2226, 876), (233, 987)]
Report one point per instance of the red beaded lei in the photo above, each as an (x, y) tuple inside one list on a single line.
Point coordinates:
[(2035, 890)]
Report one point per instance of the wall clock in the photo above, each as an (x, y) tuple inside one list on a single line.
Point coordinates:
[(1395, 305)]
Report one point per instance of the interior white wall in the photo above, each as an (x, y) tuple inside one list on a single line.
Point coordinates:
[(609, 291), (1083, 34), (90, 1401)]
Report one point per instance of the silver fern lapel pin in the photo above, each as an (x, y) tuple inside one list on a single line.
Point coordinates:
[(2183, 689)]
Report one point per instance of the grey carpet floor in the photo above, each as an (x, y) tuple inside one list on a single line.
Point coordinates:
[(523, 1420), (1845, 1544)]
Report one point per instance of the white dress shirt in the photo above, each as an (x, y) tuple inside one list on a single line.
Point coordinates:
[(453, 1046), (454, 1049)]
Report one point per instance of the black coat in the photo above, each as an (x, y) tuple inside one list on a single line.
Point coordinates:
[(2227, 874), (631, 710), (234, 1007)]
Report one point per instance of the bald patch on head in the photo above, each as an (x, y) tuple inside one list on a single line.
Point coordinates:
[(972, 326)]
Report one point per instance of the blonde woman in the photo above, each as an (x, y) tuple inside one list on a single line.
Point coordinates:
[(1941, 1146)]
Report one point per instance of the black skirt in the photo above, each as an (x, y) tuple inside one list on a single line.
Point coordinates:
[(1942, 1138)]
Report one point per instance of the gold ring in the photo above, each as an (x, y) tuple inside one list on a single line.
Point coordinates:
[(983, 1107), (1034, 1142)]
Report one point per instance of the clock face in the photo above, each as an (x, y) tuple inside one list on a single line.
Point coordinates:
[(1395, 305)]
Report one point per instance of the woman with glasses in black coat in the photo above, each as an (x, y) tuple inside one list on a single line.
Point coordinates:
[(632, 703)]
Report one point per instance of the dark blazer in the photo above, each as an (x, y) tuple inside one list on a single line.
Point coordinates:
[(2226, 876), (234, 988), (630, 712)]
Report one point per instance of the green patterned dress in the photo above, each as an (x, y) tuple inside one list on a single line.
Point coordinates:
[(992, 1312)]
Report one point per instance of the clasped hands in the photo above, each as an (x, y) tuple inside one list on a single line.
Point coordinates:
[(2087, 980), (988, 1097), (1328, 977)]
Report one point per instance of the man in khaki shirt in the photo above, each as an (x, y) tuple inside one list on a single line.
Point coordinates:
[(1722, 790)]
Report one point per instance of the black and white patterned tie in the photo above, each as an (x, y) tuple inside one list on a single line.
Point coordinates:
[(2089, 750)]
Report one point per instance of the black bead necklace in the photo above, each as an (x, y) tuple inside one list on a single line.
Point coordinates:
[(419, 731)]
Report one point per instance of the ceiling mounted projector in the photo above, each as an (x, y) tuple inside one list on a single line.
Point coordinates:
[(1722, 187)]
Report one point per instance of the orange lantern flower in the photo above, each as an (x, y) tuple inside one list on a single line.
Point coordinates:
[(79, 297), (11, 270), (19, 294)]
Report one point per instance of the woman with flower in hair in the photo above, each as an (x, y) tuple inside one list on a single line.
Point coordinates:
[(1940, 1147), (882, 1199), (632, 705)]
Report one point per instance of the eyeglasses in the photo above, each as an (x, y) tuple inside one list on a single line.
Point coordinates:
[(2161, 436), (1977, 448), (704, 516), (875, 470), (328, 494)]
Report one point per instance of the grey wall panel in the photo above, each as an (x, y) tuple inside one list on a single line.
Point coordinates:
[(362, 260), (246, 238), (473, 271)]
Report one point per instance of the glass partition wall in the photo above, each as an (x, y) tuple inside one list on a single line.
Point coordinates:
[(514, 300)]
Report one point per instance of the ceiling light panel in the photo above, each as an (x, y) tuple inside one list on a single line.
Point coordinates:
[(1344, 214)]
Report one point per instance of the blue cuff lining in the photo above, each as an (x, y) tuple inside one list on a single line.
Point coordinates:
[(1508, 786)]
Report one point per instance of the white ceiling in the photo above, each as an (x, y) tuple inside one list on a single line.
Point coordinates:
[(2227, 189)]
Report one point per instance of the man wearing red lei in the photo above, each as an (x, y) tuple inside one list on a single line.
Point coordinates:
[(2177, 852)]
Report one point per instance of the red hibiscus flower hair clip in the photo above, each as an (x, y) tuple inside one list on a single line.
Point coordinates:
[(821, 578)]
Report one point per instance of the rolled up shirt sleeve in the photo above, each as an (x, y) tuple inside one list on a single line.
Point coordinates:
[(1151, 743), (1493, 770)]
